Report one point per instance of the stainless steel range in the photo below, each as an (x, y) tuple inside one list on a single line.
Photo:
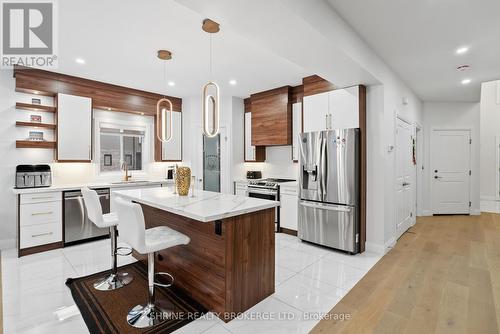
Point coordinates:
[(267, 189)]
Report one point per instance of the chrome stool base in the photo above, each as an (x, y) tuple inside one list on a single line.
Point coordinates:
[(113, 282), (147, 315)]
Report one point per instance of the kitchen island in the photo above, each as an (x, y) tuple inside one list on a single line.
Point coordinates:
[(229, 264)]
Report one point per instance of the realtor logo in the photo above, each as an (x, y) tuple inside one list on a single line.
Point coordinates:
[(28, 34)]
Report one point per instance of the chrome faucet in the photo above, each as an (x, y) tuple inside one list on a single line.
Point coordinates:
[(126, 177)]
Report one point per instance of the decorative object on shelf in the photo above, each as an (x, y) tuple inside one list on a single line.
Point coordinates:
[(35, 136), (183, 180), (108, 160), (36, 101), (36, 118), (210, 101), (164, 105)]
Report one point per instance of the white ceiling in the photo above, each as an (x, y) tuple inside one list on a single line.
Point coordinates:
[(418, 39), (119, 38)]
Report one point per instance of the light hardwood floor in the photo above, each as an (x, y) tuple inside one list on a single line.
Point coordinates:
[(1, 297), (443, 276)]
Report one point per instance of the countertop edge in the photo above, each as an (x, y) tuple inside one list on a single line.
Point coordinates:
[(203, 219), (65, 187)]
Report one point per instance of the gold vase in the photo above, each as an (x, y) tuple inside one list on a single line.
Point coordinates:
[(183, 180)]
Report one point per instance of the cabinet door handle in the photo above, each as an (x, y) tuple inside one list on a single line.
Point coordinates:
[(330, 121), (326, 122), (42, 213), (41, 234), (42, 197)]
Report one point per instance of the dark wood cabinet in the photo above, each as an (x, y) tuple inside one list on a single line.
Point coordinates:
[(272, 117)]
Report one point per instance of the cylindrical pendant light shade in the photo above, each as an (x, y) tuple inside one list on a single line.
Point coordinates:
[(210, 102), (161, 117)]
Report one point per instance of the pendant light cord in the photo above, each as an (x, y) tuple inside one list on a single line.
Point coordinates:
[(210, 57), (165, 76)]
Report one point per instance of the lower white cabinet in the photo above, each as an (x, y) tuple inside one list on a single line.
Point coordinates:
[(40, 219), (240, 188), (289, 208)]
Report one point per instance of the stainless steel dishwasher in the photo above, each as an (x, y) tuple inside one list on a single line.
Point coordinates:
[(77, 227)]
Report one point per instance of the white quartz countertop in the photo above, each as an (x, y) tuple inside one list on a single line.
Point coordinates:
[(103, 184), (206, 206)]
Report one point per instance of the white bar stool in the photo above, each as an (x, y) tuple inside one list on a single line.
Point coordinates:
[(147, 241), (115, 279)]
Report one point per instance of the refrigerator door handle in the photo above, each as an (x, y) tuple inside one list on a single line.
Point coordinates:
[(323, 167), (330, 207)]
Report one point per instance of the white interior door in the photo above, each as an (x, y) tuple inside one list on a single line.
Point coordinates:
[(404, 181), (450, 171)]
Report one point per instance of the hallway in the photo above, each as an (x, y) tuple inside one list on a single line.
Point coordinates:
[(443, 276)]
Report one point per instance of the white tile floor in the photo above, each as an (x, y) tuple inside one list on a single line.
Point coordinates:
[(310, 280)]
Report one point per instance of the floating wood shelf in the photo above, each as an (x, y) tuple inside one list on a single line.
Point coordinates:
[(35, 144), (36, 125), (35, 107)]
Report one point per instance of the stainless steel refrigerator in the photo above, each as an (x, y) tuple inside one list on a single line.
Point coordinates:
[(329, 195)]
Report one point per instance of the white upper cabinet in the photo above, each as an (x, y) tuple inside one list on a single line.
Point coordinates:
[(74, 128), (344, 108), (315, 112), (336, 109), (297, 129), (172, 150), (249, 149)]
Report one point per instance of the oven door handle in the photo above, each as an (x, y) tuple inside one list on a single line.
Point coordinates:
[(261, 191)]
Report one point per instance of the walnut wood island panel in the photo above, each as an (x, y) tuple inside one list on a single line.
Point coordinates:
[(228, 266)]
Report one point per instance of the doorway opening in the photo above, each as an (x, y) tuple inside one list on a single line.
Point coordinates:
[(211, 163), (450, 171), (405, 172)]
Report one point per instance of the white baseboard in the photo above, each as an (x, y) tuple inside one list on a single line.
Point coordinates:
[(426, 213), (374, 248), (475, 212), (488, 198), (7, 243), (390, 244)]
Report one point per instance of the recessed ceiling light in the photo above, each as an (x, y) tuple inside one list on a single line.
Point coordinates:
[(466, 81), (36, 92), (171, 83), (142, 113), (462, 50), (232, 82), (80, 60)]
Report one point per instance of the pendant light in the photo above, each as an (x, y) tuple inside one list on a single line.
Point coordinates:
[(210, 100), (164, 105)]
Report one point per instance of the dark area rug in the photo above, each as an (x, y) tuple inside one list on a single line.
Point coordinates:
[(106, 311)]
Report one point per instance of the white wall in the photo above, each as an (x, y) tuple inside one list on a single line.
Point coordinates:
[(490, 129), (443, 115)]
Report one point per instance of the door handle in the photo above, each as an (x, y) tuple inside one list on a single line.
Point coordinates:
[(438, 177), (405, 184)]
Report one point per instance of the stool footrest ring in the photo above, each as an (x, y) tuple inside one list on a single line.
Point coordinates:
[(164, 285), (128, 251)]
